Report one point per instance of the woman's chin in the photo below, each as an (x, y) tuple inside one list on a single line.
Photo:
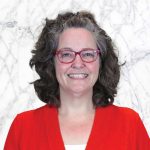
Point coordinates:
[(80, 90)]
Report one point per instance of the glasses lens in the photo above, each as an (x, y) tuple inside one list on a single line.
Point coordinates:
[(89, 55), (66, 56)]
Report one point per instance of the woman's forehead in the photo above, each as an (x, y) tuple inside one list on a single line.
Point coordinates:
[(76, 38)]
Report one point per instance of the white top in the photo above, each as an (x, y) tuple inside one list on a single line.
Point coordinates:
[(75, 147)]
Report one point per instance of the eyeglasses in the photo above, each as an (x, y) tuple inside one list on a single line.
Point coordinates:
[(67, 55)]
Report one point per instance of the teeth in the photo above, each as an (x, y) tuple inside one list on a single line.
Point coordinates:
[(78, 76)]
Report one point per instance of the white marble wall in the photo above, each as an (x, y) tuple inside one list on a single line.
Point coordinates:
[(127, 22)]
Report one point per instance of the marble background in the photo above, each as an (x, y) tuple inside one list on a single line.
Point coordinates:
[(21, 21)]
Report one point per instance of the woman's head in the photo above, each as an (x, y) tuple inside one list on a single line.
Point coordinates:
[(77, 62), (47, 87)]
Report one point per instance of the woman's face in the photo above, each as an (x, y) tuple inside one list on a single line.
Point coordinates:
[(77, 76)]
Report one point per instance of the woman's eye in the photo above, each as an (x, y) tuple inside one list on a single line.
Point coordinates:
[(88, 54), (66, 55)]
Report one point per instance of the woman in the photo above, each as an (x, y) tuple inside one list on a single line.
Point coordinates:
[(79, 73)]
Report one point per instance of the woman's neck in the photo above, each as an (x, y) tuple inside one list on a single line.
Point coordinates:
[(76, 103)]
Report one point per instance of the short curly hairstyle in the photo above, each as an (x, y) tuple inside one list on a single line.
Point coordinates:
[(47, 86)]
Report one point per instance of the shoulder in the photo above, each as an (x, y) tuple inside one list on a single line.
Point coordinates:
[(122, 118), (118, 112), (33, 121), (114, 108), (42, 109), (125, 123), (35, 115), (30, 125)]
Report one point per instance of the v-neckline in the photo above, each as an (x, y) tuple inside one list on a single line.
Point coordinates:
[(54, 133)]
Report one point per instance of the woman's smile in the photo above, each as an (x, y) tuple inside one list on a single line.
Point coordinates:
[(77, 75)]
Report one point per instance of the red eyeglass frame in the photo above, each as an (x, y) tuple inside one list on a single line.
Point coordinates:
[(76, 53)]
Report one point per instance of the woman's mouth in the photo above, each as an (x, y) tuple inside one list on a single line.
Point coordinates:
[(77, 75)]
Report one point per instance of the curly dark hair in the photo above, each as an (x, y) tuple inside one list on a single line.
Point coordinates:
[(47, 87)]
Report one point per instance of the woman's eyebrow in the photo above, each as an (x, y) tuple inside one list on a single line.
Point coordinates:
[(68, 48)]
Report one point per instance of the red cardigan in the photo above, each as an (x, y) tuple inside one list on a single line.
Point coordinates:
[(114, 128)]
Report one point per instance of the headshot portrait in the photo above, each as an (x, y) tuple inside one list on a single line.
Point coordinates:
[(82, 92)]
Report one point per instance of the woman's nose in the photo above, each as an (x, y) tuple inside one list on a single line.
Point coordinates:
[(78, 63)]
